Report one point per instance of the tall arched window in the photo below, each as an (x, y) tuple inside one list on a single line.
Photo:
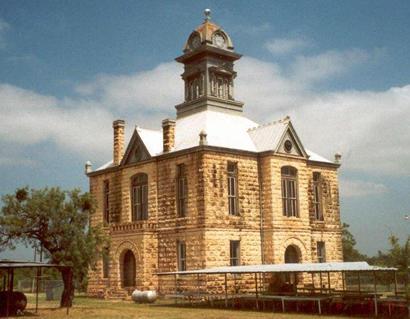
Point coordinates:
[(220, 87), (140, 197), (317, 196), (106, 202), (195, 85), (233, 188), (289, 191)]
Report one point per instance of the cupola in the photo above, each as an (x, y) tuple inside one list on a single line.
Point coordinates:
[(208, 70)]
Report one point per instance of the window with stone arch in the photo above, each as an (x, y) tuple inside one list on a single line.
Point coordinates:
[(196, 89), (290, 202), (106, 202), (139, 197), (233, 188), (221, 88), (182, 190), (317, 197)]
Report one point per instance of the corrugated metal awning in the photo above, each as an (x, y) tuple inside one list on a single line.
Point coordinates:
[(285, 268), (7, 264)]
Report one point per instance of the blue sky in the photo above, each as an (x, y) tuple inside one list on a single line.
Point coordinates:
[(341, 70)]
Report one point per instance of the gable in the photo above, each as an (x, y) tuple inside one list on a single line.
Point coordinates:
[(136, 150), (290, 143)]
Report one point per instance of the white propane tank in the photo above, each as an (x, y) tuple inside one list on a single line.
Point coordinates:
[(151, 296), (144, 296)]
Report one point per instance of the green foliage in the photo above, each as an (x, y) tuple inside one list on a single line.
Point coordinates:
[(350, 253), (59, 221)]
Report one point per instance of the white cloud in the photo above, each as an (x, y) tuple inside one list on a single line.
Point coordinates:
[(358, 188), (155, 90), (74, 125), (4, 27), (368, 127), (281, 46), (310, 69)]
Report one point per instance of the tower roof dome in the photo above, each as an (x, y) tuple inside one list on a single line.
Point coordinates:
[(208, 33)]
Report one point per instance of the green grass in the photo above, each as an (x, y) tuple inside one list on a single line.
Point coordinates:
[(96, 308)]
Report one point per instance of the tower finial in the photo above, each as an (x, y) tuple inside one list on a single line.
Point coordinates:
[(207, 13)]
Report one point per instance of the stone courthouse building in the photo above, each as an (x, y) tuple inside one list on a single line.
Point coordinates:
[(212, 188)]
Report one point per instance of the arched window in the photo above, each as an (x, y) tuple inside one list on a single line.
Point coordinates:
[(289, 191), (106, 202), (140, 197), (182, 190), (220, 87), (195, 89), (214, 85), (106, 262), (191, 90), (317, 196), (233, 188)]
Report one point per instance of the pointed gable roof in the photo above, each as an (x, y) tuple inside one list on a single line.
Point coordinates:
[(147, 142), (270, 137)]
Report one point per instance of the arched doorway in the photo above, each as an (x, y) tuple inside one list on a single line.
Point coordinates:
[(291, 255), (128, 269)]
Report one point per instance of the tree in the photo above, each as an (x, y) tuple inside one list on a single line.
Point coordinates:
[(59, 221), (350, 253)]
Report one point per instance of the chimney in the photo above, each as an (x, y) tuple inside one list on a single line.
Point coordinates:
[(88, 167), (338, 158), (119, 128), (168, 133)]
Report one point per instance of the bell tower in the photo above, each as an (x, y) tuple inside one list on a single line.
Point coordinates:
[(208, 70)]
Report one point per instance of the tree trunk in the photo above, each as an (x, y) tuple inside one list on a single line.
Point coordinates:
[(68, 292)]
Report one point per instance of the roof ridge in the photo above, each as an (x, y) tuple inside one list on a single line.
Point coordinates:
[(286, 119)]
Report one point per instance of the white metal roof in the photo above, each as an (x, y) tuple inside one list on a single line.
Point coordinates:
[(106, 165), (300, 267), (222, 129), (316, 157), (25, 264), (152, 140), (267, 137)]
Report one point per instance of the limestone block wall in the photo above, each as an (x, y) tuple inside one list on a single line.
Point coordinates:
[(329, 186), (127, 174), (207, 227), (328, 230), (216, 191), (302, 232), (167, 191), (167, 249), (217, 244), (281, 231)]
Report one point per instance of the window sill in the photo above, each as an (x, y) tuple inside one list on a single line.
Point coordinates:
[(235, 216)]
